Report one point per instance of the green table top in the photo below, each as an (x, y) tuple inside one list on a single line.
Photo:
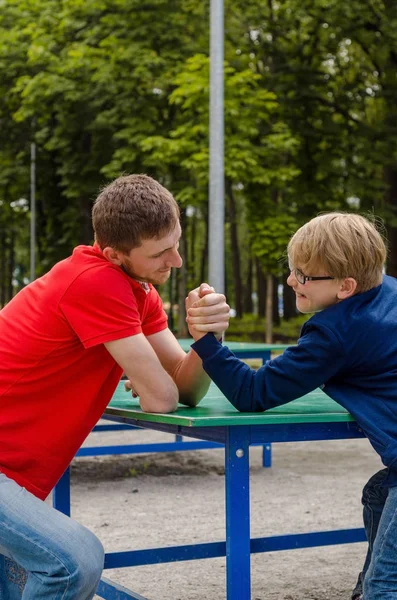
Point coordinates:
[(240, 346), (215, 410)]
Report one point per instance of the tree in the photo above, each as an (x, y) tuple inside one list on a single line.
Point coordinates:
[(256, 143)]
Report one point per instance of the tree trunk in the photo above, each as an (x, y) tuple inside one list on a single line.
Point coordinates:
[(248, 304), (11, 264), (85, 205), (182, 286), (276, 314), (269, 308), (86, 230), (2, 270), (171, 281), (391, 201), (236, 262), (260, 289), (204, 254), (6, 267), (390, 170), (289, 300), (192, 250)]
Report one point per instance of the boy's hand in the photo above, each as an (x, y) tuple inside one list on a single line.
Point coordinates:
[(206, 311)]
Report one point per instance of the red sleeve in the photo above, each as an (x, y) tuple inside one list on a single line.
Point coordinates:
[(155, 319), (100, 306)]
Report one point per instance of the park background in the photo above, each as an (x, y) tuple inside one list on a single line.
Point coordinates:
[(101, 88)]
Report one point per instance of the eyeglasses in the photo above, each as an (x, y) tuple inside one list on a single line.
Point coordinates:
[(302, 278)]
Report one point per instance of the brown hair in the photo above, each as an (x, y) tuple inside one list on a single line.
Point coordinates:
[(130, 209), (344, 245)]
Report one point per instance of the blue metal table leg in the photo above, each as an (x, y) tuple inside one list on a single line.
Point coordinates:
[(238, 565), (267, 456), (267, 448), (61, 494)]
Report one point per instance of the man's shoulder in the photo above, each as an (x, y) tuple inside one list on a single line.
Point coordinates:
[(84, 274), (87, 256), (86, 261)]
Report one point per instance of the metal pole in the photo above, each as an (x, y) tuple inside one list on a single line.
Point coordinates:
[(216, 213), (32, 211)]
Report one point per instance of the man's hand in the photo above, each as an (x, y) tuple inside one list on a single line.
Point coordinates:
[(129, 388), (206, 311)]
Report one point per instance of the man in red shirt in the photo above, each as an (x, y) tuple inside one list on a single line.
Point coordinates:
[(65, 340)]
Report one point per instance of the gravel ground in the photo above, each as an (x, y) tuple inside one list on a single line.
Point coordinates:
[(143, 501)]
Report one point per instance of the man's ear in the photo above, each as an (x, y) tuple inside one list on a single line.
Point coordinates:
[(348, 288), (112, 255)]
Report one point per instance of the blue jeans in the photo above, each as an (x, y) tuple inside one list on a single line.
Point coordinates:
[(378, 579), (44, 555)]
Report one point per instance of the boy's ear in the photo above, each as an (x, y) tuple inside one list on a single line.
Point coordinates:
[(112, 255), (347, 288)]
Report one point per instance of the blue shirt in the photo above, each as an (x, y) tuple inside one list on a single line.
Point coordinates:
[(349, 350)]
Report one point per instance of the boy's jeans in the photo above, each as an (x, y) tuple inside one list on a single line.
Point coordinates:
[(378, 579), (44, 555)]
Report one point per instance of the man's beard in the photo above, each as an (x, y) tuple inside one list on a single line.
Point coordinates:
[(126, 267)]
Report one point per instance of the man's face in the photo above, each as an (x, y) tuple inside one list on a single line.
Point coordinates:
[(153, 259)]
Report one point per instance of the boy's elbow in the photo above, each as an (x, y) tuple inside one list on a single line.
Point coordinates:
[(246, 405)]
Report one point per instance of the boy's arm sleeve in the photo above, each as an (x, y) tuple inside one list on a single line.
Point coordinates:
[(318, 356)]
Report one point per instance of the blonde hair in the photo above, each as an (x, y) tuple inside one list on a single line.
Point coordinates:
[(344, 245)]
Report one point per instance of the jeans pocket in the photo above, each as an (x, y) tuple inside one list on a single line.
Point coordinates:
[(14, 573)]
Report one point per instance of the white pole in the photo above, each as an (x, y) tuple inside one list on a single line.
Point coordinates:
[(32, 211), (216, 212)]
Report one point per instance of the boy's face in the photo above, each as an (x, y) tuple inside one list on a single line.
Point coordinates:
[(313, 296)]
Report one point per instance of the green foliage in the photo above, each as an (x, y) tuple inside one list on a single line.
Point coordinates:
[(254, 138), (105, 87), (270, 239)]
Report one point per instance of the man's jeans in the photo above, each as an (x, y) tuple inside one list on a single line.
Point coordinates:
[(44, 555), (378, 579)]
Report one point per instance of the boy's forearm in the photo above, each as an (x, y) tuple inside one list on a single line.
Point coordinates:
[(232, 376), (191, 379)]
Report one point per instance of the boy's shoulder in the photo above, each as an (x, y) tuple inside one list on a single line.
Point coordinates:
[(359, 324), (374, 304), (389, 282)]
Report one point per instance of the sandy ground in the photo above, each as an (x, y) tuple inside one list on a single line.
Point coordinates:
[(143, 501)]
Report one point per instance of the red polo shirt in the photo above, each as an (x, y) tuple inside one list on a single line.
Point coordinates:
[(56, 376)]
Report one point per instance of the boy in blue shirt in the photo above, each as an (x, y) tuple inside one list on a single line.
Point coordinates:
[(348, 348)]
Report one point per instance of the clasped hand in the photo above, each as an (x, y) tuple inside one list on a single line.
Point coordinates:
[(207, 311)]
